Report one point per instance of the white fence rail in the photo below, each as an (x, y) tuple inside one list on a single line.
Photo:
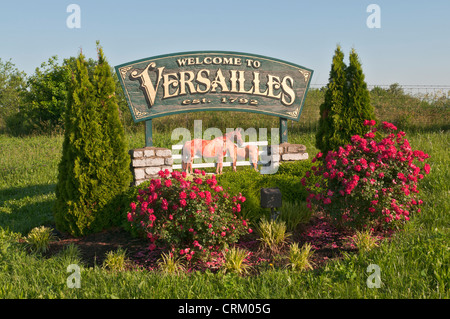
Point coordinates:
[(176, 156)]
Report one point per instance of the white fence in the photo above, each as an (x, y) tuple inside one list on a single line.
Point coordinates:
[(176, 156)]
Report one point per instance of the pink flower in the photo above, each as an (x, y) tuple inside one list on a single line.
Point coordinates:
[(426, 168), (164, 204), (389, 126), (152, 246), (210, 226), (222, 234), (130, 217), (168, 182), (183, 203), (250, 230), (369, 122), (133, 206), (183, 195)]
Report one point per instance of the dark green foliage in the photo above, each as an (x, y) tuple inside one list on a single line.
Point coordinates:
[(249, 183), (12, 87), (40, 107), (346, 104), (331, 121), (94, 169), (358, 99)]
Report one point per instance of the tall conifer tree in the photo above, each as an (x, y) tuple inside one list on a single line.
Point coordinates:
[(331, 119), (346, 104), (94, 164), (358, 107)]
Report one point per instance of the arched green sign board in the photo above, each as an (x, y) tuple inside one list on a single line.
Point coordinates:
[(213, 80)]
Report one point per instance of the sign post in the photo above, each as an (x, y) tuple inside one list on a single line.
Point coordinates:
[(148, 133), (283, 130)]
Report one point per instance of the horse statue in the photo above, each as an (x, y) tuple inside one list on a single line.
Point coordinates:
[(216, 148), (250, 152)]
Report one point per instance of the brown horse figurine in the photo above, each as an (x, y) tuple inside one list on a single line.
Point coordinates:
[(242, 153), (216, 148)]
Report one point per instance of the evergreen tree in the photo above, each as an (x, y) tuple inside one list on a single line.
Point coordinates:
[(94, 164), (346, 104), (358, 99), (331, 121)]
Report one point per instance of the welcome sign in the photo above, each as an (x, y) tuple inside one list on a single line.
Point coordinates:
[(213, 80)]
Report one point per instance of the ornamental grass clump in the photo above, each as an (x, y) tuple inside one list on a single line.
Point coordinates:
[(170, 265), (39, 238), (115, 260), (236, 261), (369, 183), (192, 218), (272, 234), (364, 241), (300, 258)]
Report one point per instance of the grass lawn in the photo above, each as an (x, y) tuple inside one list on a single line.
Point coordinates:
[(414, 264)]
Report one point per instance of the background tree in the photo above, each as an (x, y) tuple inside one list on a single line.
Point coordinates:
[(43, 99), (12, 87), (330, 132), (94, 164)]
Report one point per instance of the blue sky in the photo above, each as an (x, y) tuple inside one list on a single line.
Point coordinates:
[(412, 47)]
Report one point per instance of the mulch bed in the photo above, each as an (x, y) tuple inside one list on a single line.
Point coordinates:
[(328, 242)]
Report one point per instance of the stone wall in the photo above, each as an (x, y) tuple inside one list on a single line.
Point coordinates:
[(286, 152), (292, 152), (148, 161)]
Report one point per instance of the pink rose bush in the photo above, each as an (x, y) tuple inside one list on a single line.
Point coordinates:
[(192, 217), (371, 182)]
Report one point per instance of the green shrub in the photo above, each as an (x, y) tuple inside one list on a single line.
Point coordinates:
[(249, 183), (346, 104), (94, 167), (294, 214), (294, 168)]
